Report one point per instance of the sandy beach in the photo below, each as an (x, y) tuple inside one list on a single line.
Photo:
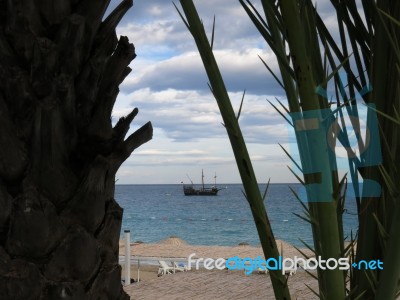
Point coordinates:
[(175, 247), (207, 284)]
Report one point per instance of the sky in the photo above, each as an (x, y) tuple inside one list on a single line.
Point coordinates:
[(168, 84)]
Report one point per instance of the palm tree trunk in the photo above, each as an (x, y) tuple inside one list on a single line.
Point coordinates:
[(60, 68)]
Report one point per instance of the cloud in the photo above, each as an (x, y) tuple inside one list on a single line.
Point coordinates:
[(193, 152), (157, 36), (240, 69), (161, 161), (191, 115), (168, 84), (168, 58)]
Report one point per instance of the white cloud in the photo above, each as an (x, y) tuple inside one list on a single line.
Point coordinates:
[(163, 161), (191, 115), (240, 69), (168, 84)]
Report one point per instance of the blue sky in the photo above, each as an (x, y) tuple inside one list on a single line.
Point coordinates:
[(169, 86)]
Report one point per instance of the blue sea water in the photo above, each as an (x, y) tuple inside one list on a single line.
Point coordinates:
[(155, 212)]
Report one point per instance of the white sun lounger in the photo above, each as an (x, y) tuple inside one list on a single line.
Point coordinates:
[(164, 268), (291, 271), (262, 270)]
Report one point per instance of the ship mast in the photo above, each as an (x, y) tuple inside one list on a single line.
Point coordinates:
[(202, 178)]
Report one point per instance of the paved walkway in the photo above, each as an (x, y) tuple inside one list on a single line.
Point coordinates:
[(217, 285)]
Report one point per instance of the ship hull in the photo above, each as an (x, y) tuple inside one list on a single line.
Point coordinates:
[(190, 191)]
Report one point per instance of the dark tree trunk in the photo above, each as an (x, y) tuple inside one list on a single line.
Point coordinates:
[(60, 68)]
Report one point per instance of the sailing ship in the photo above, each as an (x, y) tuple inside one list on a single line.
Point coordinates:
[(190, 190)]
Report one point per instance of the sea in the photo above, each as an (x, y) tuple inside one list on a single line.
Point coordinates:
[(155, 212)]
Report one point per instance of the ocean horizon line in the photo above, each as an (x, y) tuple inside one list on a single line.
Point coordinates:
[(222, 183)]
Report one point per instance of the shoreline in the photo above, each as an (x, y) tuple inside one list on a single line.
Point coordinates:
[(174, 247)]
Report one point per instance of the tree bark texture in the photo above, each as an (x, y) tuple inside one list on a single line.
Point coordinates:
[(60, 67)]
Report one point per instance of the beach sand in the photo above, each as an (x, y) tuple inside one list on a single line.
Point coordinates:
[(177, 248), (208, 284)]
